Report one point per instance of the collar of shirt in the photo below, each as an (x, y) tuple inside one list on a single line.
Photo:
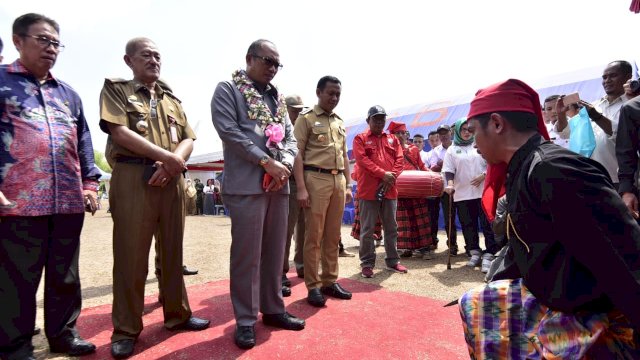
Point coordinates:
[(521, 154), (319, 111), (18, 68), (137, 86), (383, 134), (604, 102)]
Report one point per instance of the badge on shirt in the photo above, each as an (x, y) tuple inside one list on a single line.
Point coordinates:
[(321, 138), (142, 125), (317, 124), (134, 100), (390, 140), (173, 129)]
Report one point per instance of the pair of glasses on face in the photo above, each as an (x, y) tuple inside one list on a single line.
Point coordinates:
[(269, 61), (465, 130), (45, 42)]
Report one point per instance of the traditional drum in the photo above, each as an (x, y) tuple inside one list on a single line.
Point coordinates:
[(419, 184)]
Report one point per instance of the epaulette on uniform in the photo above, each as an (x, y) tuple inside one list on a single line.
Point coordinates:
[(164, 85), (115, 80), (168, 92), (305, 111)]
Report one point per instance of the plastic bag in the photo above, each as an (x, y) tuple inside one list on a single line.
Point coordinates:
[(582, 139)]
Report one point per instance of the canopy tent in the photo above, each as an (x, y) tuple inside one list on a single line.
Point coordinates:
[(104, 176), (213, 161), (424, 118)]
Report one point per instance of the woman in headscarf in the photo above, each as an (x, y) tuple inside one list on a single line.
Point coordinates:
[(412, 215), (465, 171)]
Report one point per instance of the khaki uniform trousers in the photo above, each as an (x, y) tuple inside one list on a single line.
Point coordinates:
[(295, 223), (138, 211), (323, 220)]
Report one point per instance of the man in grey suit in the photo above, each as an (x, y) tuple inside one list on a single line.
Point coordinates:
[(250, 116)]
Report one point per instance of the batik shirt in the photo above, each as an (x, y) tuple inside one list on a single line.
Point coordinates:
[(46, 155)]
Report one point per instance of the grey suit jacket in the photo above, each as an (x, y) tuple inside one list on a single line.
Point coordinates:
[(244, 142)]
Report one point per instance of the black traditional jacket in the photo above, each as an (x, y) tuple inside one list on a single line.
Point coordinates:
[(575, 243)]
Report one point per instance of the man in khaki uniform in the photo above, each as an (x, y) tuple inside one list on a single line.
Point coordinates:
[(322, 173), (295, 221), (149, 142)]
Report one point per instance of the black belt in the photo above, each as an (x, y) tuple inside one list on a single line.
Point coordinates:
[(324, 171), (134, 160)]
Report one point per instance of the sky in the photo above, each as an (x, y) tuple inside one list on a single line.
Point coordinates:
[(392, 53)]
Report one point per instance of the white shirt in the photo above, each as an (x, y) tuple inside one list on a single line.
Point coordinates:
[(557, 137), (435, 155), (466, 164), (209, 189), (605, 151), (424, 155)]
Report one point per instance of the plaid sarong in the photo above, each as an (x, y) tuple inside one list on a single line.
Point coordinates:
[(414, 224), (503, 320), (355, 227)]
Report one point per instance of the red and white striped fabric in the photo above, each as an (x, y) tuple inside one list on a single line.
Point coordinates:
[(419, 184)]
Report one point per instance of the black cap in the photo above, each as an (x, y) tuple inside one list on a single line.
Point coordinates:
[(376, 110), (443, 127)]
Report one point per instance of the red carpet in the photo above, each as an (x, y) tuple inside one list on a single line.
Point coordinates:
[(375, 324)]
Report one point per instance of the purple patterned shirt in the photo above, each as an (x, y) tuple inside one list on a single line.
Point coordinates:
[(46, 155)]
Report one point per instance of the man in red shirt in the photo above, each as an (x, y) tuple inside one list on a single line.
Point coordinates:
[(380, 160)]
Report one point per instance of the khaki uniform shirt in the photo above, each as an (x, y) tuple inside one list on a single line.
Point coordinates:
[(322, 138), (127, 102)]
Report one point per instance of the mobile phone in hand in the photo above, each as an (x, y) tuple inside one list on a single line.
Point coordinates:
[(571, 98)]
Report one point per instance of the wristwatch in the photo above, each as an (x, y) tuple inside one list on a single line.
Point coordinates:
[(264, 160)]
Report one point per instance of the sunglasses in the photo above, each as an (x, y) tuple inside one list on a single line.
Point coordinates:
[(269, 61)]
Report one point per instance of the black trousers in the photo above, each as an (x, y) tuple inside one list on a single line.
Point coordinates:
[(434, 217), (27, 246), (469, 213)]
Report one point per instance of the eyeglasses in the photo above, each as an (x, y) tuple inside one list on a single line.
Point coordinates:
[(45, 42), (465, 129), (269, 61)]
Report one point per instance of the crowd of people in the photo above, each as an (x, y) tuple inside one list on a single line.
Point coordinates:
[(569, 226)]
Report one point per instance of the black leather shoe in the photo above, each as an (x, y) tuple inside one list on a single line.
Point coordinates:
[(286, 291), (284, 321), (122, 349), (245, 337), (336, 291), (187, 271), (285, 281), (315, 298), (300, 273), (36, 331), (193, 324), (72, 346)]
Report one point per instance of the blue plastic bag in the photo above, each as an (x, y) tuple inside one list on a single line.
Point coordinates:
[(582, 139)]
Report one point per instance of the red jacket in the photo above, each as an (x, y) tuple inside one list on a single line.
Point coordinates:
[(376, 155), (413, 153)]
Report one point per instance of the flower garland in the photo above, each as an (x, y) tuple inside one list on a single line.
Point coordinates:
[(258, 110)]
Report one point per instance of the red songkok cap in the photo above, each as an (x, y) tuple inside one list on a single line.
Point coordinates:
[(510, 95), (394, 127)]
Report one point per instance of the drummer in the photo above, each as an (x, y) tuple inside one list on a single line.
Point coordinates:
[(412, 215), (379, 158)]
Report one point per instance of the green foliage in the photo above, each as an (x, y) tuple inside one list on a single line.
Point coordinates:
[(101, 161)]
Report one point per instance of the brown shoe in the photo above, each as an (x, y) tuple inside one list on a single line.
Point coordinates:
[(345, 253)]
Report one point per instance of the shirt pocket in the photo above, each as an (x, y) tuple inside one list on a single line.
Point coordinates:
[(320, 134), (370, 149), (139, 118), (339, 133)]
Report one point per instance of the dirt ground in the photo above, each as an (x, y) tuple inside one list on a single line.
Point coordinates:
[(206, 248)]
